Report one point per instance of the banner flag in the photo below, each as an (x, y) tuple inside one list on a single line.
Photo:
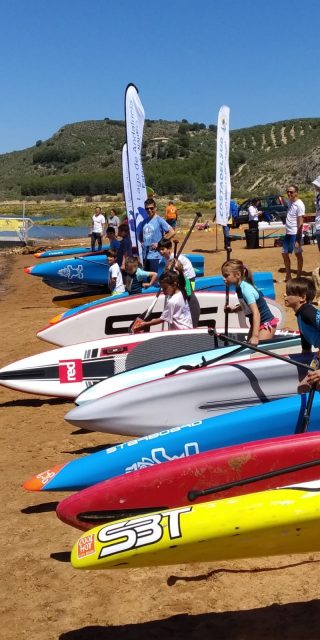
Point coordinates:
[(127, 194), (135, 116), (223, 184)]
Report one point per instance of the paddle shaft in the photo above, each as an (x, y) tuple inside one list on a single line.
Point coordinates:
[(226, 312), (306, 417), (193, 494), (264, 352)]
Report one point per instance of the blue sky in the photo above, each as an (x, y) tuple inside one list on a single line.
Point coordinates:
[(63, 61)]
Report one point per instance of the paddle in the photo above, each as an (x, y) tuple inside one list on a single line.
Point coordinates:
[(306, 416), (194, 494), (248, 345), (226, 312), (148, 311)]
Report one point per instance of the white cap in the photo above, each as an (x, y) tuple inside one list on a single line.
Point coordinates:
[(316, 181)]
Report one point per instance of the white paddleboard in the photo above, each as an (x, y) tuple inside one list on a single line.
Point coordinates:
[(115, 317)]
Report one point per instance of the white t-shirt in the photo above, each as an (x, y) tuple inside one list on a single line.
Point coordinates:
[(253, 213), (114, 272), (97, 223), (177, 312), (295, 210), (188, 270)]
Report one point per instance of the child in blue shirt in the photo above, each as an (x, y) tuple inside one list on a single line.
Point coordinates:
[(136, 278), (299, 295), (251, 301)]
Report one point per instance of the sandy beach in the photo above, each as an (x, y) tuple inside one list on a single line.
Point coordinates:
[(42, 596)]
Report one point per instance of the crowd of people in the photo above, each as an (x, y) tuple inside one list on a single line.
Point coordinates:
[(176, 277)]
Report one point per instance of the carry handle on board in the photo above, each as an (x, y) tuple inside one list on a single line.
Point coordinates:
[(148, 311)]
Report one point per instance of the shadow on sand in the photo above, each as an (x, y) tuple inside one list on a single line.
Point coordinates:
[(295, 621)]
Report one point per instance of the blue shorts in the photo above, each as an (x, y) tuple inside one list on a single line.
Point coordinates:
[(288, 245)]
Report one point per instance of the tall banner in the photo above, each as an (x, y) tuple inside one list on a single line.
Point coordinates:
[(223, 184), (135, 116), (127, 193)]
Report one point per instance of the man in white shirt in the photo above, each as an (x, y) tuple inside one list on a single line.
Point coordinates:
[(97, 229), (253, 214), (293, 237)]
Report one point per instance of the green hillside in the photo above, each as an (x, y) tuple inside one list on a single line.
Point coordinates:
[(84, 158)]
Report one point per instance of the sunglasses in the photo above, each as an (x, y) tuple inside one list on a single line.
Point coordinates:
[(150, 208), (290, 193)]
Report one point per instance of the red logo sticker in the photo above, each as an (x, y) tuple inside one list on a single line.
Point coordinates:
[(86, 546), (70, 371)]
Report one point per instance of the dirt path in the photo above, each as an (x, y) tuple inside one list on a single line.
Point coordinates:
[(43, 598)]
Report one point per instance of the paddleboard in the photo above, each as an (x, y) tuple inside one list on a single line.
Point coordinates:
[(81, 273), (188, 396), (68, 371), (268, 523), (270, 420), (143, 373), (263, 281), (115, 316), (232, 471), (67, 251)]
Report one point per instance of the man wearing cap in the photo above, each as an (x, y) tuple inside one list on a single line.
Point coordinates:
[(293, 237), (316, 184)]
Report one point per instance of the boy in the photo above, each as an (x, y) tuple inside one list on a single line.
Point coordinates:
[(115, 282), (293, 236), (135, 276), (125, 248), (165, 249), (111, 235), (298, 297)]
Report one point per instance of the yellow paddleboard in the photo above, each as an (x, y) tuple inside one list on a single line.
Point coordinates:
[(268, 523)]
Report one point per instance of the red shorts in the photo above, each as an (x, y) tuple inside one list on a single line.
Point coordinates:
[(269, 325)]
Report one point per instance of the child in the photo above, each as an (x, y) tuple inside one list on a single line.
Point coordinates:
[(135, 276), (299, 295), (176, 310), (111, 235), (165, 249), (125, 248), (177, 266), (262, 322), (115, 281)]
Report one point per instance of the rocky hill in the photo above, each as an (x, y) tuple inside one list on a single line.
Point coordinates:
[(178, 157)]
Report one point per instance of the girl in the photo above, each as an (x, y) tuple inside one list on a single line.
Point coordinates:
[(262, 323), (176, 310)]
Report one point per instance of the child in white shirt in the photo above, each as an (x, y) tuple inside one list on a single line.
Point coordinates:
[(115, 281)]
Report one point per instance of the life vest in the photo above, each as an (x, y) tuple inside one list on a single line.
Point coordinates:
[(171, 212)]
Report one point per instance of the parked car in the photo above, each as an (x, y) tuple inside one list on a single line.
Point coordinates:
[(274, 209)]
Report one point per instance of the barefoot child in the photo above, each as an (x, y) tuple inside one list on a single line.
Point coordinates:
[(262, 323), (135, 276), (176, 310), (115, 281)]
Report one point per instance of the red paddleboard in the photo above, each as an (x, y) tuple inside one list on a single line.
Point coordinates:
[(231, 471)]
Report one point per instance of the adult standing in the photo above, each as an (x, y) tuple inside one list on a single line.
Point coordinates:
[(171, 214), (154, 228), (253, 214), (113, 221), (316, 184), (97, 229), (293, 237)]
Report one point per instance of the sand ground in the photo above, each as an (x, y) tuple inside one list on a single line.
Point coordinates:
[(42, 597)]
